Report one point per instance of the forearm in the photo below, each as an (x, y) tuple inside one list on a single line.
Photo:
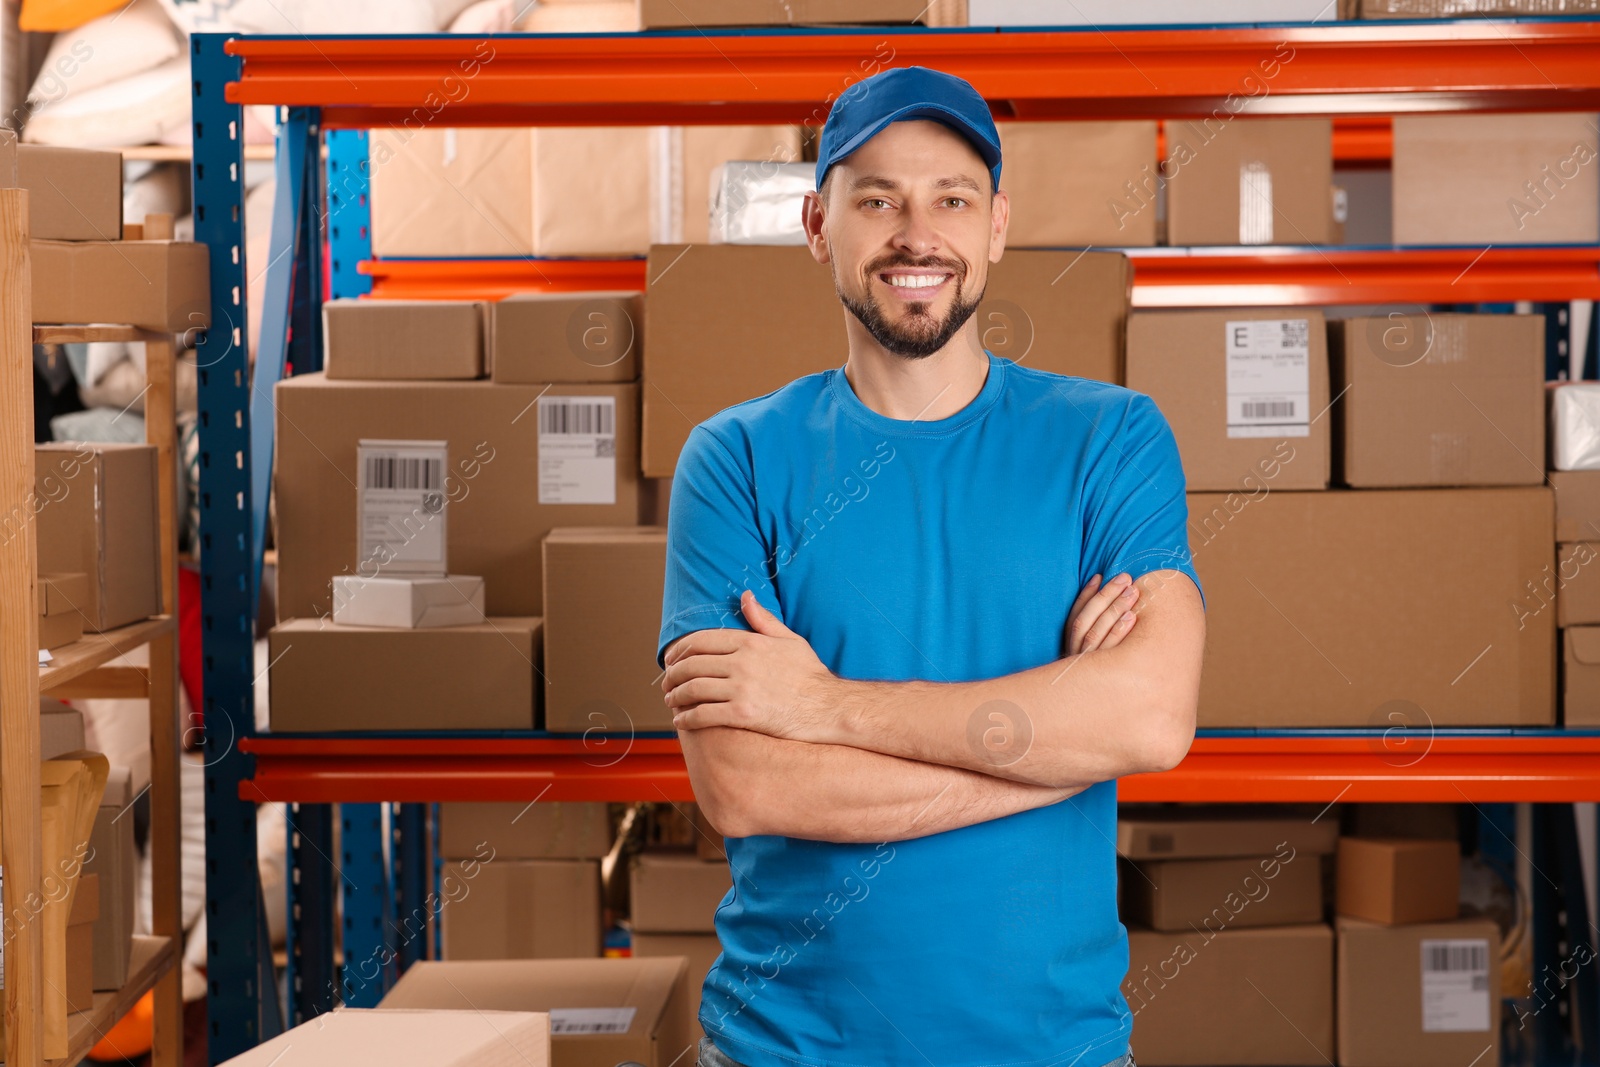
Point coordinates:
[(750, 784)]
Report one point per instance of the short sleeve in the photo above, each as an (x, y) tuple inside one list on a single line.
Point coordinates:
[(715, 549), (1136, 518)]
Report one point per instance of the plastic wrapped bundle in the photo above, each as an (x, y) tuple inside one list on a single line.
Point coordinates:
[(758, 203)]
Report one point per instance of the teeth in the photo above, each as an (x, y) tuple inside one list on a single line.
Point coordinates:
[(916, 281)]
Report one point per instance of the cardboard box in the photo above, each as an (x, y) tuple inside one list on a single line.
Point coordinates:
[(451, 192), (60, 728), (677, 892), (503, 909), (60, 597), (330, 677), (1080, 183), (74, 194), (160, 285), (1577, 504), (58, 630), (592, 190), (693, 14), (1495, 179), (1580, 676), (80, 943), (1576, 588), (414, 603), (1243, 997), (409, 1039), (1397, 880), (494, 484), (695, 153), (1245, 392), (1426, 995), (114, 859), (699, 950), (647, 996), (1292, 644), (566, 337), (402, 339), (602, 622), (1440, 399), (1278, 890), (1250, 181), (97, 514), (1427, 822), (1207, 833), (1056, 311), (516, 831)]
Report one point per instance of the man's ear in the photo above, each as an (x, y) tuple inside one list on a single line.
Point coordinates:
[(814, 217), (1000, 218)]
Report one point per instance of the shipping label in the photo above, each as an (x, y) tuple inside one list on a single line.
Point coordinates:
[(577, 450), (1455, 985), (1269, 377), (401, 506), (591, 1020)]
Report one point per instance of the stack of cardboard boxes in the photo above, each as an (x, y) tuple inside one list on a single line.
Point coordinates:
[(675, 894)]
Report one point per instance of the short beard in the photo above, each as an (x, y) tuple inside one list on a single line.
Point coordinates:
[(921, 336)]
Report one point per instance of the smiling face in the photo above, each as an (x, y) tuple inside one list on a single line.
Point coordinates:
[(909, 226)]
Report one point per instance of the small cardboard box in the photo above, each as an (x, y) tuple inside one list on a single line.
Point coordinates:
[(74, 194), (1439, 400), (402, 339), (1205, 833), (602, 1012), (677, 892), (81, 923), (114, 859), (1426, 995), (325, 676), (60, 599), (60, 728), (459, 1038), (1577, 504), (97, 514), (1250, 181), (499, 909), (1080, 183), (566, 337), (1252, 998), (412, 603), (700, 950), (1394, 881), (1224, 894), (602, 622), (1576, 587), (1459, 570), (547, 830), (159, 285), (1580, 676)]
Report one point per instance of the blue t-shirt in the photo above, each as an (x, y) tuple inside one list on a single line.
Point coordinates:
[(948, 551)]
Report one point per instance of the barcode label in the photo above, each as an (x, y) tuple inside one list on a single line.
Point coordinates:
[(401, 506), (577, 450), (1455, 985), (1268, 373), (404, 472), (591, 1020)]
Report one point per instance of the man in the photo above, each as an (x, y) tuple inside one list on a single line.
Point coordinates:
[(902, 692)]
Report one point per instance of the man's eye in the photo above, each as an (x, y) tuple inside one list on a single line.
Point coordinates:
[(876, 202), (954, 201)]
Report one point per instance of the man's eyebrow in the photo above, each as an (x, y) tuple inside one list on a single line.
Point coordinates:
[(960, 181), (877, 181), (874, 181)]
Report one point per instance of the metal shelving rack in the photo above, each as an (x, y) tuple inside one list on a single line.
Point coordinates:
[(333, 89)]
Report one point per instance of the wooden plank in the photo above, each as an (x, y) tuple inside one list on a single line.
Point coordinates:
[(108, 683), (20, 850), (154, 959), (96, 650), (66, 335)]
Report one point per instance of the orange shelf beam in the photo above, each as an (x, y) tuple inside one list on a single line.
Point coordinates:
[(494, 279), (1355, 68), (1316, 769)]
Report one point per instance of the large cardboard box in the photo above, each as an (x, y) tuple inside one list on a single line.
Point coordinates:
[(160, 285), (1577, 504), (1207, 833), (458, 1038), (1278, 890), (505, 487), (1439, 399), (1389, 881), (602, 622), (677, 892), (592, 190), (566, 337), (1576, 585), (1426, 995), (602, 1012), (1496, 179), (80, 953), (515, 831), (325, 676), (1250, 181), (699, 950), (74, 194), (96, 512), (451, 192), (499, 909), (1243, 997), (1246, 393), (1580, 676), (1291, 639), (402, 339), (1080, 183), (732, 322), (114, 859), (693, 14)]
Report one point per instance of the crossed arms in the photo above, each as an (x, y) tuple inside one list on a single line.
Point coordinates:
[(777, 744)]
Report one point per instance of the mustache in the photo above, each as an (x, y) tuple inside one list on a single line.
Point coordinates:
[(955, 267)]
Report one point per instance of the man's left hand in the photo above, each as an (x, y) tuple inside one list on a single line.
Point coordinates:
[(768, 680)]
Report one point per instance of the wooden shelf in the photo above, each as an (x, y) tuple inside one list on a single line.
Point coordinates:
[(68, 335), (96, 650), (152, 958)]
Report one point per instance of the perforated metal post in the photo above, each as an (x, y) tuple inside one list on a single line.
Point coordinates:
[(349, 213)]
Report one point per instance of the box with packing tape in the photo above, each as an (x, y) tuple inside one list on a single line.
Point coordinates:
[(1250, 181)]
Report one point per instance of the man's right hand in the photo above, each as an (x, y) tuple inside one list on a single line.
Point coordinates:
[(1102, 615)]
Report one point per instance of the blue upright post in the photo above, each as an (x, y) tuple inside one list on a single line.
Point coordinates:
[(369, 942), (349, 213), (311, 907), (241, 1008), (305, 315), (411, 882)]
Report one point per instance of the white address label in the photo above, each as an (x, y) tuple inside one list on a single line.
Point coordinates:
[(577, 450), (591, 1020), (401, 503), (1455, 985), (1269, 377)]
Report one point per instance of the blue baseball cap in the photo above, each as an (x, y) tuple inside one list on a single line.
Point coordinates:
[(868, 107)]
